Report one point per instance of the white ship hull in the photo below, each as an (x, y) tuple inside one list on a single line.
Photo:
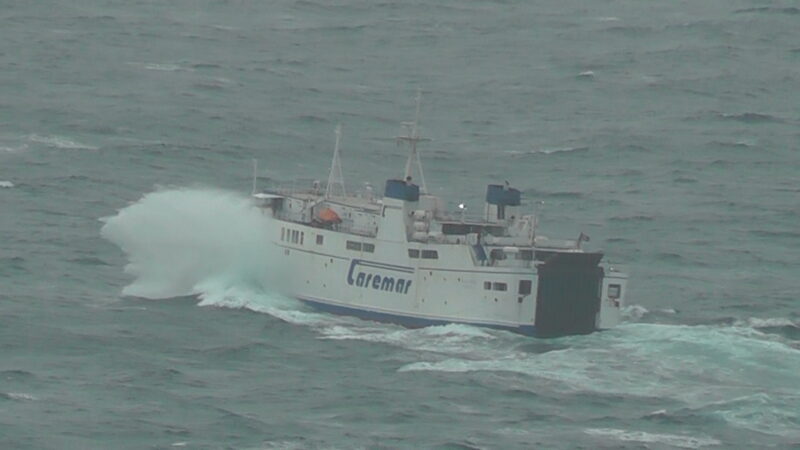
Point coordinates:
[(388, 285)]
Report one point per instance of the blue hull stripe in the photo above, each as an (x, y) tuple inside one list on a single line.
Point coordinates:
[(407, 321)]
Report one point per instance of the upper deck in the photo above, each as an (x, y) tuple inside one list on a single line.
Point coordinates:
[(406, 213)]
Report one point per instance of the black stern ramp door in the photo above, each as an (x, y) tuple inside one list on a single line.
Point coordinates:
[(568, 296)]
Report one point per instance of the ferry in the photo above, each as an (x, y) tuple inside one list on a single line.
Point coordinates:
[(403, 258)]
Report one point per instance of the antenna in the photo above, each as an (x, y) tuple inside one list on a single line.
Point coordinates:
[(335, 177), (412, 138)]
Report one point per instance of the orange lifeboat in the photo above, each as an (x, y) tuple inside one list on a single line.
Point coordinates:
[(328, 215)]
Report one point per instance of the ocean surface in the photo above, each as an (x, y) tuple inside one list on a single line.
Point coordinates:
[(136, 309)]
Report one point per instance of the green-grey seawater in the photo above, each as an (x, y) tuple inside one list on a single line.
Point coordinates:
[(666, 131)]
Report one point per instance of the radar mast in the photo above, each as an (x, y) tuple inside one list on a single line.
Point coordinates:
[(335, 178), (412, 138)]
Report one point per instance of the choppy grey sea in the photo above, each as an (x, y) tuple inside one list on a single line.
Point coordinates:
[(133, 307)]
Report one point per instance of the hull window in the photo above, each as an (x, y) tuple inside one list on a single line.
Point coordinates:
[(524, 287), (430, 254)]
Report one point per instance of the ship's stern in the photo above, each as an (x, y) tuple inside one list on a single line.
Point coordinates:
[(576, 294)]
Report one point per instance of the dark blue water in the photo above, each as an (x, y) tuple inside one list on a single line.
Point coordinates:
[(667, 132)]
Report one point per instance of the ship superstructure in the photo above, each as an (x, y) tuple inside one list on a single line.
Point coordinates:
[(403, 258)]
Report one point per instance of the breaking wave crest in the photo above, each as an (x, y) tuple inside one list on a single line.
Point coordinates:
[(187, 241)]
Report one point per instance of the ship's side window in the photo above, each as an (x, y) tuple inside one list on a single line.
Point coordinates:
[(430, 254), (498, 254), (352, 245), (413, 253), (320, 238), (368, 247), (500, 286), (524, 287), (302, 234), (526, 255), (487, 285), (614, 290), (295, 236), (283, 233)]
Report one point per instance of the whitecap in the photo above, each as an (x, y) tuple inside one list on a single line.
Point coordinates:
[(634, 312), (760, 413), (548, 150), (21, 396), (675, 440), (7, 149), (162, 67), (60, 142), (6, 184), (775, 322)]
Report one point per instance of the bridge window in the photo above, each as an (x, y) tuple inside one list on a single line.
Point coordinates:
[(368, 247), (500, 286), (352, 245), (320, 238), (524, 287), (413, 253), (430, 254)]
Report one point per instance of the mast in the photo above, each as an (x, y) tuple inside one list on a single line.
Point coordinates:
[(412, 138), (255, 175), (335, 177)]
